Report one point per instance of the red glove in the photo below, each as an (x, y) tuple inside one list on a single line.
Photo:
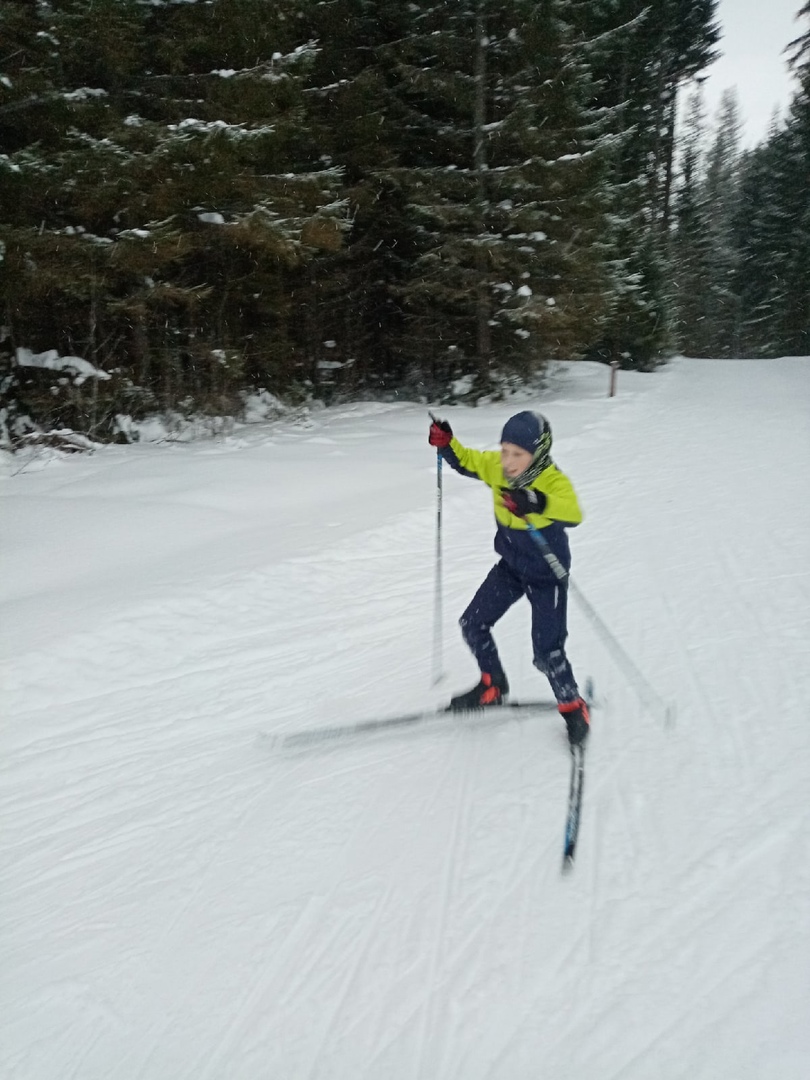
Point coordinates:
[(440, 434), (523, 501)]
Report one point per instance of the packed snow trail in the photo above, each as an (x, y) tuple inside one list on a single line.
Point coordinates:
[(180, 903)]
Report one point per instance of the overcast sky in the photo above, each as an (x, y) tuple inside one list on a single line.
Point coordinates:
[(754, 35)]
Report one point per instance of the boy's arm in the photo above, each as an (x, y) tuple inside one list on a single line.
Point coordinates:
[(562, 503), (551, 497), (479, 464)]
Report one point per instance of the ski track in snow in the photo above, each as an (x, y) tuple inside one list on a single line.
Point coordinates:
[(180, 901)]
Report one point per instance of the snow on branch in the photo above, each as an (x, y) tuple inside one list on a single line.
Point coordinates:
[(273, 69), (211, 127), (84, 93), (51, 360)]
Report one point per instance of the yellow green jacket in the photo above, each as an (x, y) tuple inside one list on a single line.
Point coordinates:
[(512, 540)]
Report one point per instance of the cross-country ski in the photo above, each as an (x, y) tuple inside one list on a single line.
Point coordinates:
[(313, 737)]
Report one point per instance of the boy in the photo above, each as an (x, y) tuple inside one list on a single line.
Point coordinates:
[(527, 488)]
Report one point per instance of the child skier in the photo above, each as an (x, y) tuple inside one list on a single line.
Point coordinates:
[(527, 489)]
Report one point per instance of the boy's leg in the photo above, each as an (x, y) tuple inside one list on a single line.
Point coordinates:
[(549, 631), (496, 594)]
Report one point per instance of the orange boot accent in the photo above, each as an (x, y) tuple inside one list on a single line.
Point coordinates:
[(577, 720), (570, 706), (492, 693)]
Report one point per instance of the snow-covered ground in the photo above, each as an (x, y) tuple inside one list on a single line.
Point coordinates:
[(180, 900)]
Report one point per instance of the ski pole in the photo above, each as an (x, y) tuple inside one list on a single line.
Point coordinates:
[(438, 674), (637, 679)]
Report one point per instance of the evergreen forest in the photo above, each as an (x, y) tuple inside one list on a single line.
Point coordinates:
[(201, 200)]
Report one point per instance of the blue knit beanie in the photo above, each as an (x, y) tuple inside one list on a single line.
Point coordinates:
[(526, 429)]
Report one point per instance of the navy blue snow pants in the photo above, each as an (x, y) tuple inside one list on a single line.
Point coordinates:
[(498, 592)]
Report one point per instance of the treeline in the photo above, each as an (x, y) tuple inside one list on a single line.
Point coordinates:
[(740, 247), (428, 198)]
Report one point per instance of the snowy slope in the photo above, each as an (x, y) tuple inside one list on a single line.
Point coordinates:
[(180, 901)]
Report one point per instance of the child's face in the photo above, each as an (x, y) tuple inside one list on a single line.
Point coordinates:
[(514, 459)]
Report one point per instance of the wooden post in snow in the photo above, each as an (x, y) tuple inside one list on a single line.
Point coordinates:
[(614, 367)]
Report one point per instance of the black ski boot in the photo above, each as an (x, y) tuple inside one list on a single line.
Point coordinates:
[(577, 720), (491, 690)]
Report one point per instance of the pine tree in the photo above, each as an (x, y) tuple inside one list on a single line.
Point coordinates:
[(704, 256), (160, 196), (356, 120), (773, 228), (692, 245), (641, 52), (797, 315), (721, 198), (479, 139)]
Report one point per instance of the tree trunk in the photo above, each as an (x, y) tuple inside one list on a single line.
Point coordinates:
[(479, 163), (669, 155)]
